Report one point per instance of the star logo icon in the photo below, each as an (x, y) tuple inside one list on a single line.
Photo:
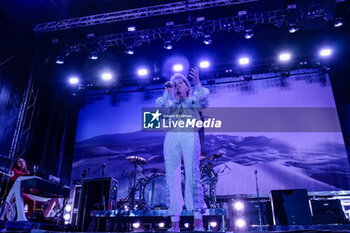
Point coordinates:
[(156, 115), (151, 119)]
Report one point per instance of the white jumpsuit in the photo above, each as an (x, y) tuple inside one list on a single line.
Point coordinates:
[(186, 146)]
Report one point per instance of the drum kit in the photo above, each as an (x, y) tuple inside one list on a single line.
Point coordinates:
[(152, 189)]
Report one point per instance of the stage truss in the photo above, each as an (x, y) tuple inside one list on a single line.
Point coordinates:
[(138, 13), (201, 28)]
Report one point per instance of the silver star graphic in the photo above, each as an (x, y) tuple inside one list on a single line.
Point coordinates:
[(156, 115)]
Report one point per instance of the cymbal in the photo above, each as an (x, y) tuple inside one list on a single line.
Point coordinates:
[(136, 159), (203, 156), (215, 156)]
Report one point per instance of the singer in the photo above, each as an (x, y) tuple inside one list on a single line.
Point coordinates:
[(180, 145)]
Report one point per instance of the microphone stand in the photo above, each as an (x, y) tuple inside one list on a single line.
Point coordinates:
[(257, 194), (85, 196), (102, 183)]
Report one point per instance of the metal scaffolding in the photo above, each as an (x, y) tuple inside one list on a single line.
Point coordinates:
[(24, 122), (201, 28), (25, 117), (131, 14)]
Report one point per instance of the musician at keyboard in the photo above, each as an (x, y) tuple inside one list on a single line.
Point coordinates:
[(18, 169)]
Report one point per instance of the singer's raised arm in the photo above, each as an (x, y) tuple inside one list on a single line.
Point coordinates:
[(164, 100)]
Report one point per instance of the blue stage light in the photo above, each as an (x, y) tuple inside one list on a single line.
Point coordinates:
[(204, 64), (178, 67), (325, 52), (73, 80), (142, 72), (239, 205), (240, 223), (106, 76), (284, 57), (244, 61)]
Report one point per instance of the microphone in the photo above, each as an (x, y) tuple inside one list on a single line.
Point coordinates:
[(83, 175), (255, 172), (103, 165), (170, 84)]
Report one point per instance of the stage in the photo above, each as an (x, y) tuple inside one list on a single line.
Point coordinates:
[(144, 116)]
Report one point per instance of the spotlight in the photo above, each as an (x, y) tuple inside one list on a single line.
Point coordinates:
[(136, 225), (66, 217), (238, 28), (142, 72), (168, 24), (131, 28), (338, 22), (200, 19), (73, 80), (178, 67), (284, 57), (213, 224), (186, 225), (207, 39), (204, 64), (168, 45), (90, 35), (248, 33), (161, 224), (93, 55), (129, 50), (68, 208), (240, 223), (293, 28), (60, 60), (126, 208), (107, 76), (279, 22), (325, 52), (243, 61), (239, 205)]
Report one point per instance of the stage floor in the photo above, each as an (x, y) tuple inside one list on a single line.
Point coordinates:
[(299, 231), (315, 229), (12, 226)]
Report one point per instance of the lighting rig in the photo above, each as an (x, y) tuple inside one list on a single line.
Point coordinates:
[(244, 22)]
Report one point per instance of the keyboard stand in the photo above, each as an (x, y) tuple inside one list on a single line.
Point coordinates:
[(16, 195)]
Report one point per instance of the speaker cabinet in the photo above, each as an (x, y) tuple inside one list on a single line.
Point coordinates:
[(254, 210), (96, 194), (328, 212), (291, 207)]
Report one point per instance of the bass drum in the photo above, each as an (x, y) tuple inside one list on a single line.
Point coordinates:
[(155, 193)]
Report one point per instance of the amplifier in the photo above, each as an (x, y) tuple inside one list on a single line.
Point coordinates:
[(328, 212), (96, 194), (291, 207), (253, 209)]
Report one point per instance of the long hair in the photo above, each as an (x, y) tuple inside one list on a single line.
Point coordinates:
[(16, 166)]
